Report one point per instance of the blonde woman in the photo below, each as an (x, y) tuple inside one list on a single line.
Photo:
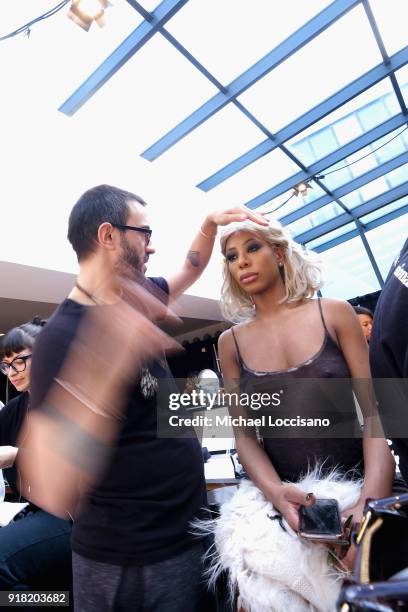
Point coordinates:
[(284, 334)]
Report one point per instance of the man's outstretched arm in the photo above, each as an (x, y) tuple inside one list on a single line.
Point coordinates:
[(202, 246)]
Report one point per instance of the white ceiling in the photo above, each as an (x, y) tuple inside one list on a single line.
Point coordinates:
[(26, 291)]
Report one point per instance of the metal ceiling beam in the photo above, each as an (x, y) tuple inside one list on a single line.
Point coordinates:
[(356, 183), (140, 9), (270, 61), (121, 55), (370, 254), (317, 113), (383, 51), (359, 211), (368, 226), (327, 162), (335, 241)]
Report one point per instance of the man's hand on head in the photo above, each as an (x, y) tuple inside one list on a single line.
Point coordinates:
[(232, 215)]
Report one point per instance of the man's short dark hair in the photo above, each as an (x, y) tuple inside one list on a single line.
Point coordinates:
[(361, 310), (94, 207)]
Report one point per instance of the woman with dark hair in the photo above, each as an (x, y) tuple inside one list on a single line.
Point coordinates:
[(286, 341), (35, 550), (365, 316)]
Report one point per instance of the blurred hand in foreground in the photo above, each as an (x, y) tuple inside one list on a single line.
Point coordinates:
[(66, 443)]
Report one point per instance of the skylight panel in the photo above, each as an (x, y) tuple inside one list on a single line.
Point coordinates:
[(367, 159), (340, 231), (387, 239), (315, 219), (92, 47), (150, 94), (352, 199), (394, 146), (398, 176), (392, 19), (58, 56), (223, 137), (349, 168), (402, 78), (256, 178), (384, 210), (229, 36), (348, 271), (344, 124), (325, 65), (374, 188)]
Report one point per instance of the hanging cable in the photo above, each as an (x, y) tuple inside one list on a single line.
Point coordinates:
[(26, 28), (280, 205), (322, 176)]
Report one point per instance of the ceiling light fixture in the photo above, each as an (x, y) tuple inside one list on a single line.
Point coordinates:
[(302, 188), (85, 12)]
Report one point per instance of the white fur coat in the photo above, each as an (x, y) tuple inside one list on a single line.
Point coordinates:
[(276, 570)]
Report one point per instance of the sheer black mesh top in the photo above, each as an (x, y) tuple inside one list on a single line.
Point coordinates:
[(318, 389)]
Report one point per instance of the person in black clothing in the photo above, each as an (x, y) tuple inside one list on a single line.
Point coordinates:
[(35, 551), (132, 549), (389, 357)]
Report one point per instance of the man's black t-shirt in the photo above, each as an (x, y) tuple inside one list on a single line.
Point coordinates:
[(11, 420), (389, 354), (141, 511)]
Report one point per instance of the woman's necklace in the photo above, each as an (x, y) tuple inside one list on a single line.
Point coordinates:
[(85, 292)]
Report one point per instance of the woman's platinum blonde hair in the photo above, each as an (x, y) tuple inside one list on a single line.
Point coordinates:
[(301, 271)]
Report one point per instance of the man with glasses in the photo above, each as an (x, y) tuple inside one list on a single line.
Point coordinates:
[(132, 546)]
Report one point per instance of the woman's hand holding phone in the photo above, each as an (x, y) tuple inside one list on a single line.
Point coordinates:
[(288, 499), (323, 523)]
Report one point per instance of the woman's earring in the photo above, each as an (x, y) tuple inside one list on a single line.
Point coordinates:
[(281, 271)]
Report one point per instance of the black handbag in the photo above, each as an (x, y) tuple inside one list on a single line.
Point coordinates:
[(381, 570)]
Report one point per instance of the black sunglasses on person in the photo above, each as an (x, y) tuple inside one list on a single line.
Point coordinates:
[(18, 364), (145, 230)]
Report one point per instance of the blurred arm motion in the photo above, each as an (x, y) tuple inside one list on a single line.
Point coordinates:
[(70, 435)]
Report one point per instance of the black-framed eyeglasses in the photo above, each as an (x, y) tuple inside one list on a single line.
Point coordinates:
[(145, 230), (18, 364)]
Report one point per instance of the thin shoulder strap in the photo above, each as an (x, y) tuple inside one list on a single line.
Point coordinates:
[(321, 314), (236, 346)]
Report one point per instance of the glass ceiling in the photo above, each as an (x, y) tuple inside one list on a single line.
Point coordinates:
[(244, 102)]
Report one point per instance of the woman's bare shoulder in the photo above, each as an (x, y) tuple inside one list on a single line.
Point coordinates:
[(335, 305), (338, 312), (226, 339)]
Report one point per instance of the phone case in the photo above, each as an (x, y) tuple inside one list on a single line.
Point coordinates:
[(324, 538)]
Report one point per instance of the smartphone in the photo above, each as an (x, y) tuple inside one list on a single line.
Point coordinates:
[(321, 521)]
